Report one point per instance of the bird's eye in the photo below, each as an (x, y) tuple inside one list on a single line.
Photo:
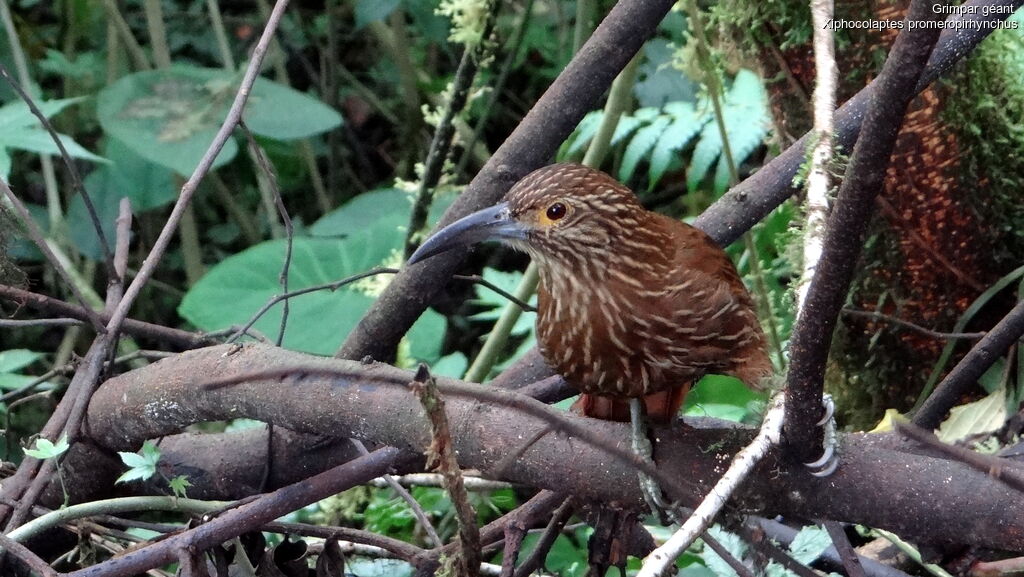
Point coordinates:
[(556, 211)]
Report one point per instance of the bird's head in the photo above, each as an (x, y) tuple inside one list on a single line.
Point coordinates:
[(563, 213)]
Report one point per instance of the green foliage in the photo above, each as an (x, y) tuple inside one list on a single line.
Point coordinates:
[(372, 229), (11, 362), (745, 113), (179, 486), (170, 116), (46, 449), (21, 130), (984, 111), (724, 397), (806, 547), (141, 465), (660, 135)]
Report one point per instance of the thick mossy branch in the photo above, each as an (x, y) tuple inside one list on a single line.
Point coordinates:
[(878, 485)]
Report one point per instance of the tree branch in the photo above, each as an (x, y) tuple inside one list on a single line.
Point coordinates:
[(169, 393), (847, 227)]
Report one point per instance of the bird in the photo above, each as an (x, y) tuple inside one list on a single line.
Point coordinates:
[(631, 304)]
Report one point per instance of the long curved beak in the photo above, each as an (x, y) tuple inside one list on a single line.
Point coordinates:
[(494, 223)]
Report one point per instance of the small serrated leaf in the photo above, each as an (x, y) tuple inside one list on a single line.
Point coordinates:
[(46, 449), (179, 485)]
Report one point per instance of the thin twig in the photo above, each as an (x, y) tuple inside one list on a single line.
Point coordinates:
[(58, 322), (414, 505), (48, 304), (851, 562), (335, 285), (512, 50), (727, 556), (974, 364), (69, 163), (434, 480), (441, 456), (742, 464), (39, 239), (441, 143), (26, 556), (546, 540), (1002, 469), (877, 316)]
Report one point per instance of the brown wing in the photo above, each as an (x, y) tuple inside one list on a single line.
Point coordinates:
[(717, 327)]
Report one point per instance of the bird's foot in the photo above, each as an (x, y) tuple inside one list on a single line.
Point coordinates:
[(828, 462), (653, 495)]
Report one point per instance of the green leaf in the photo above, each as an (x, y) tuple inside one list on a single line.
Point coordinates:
[(232, 291), (148, 185), (171, 116), (584, 132), (686, 124), (372, 207), (642, 143), (732, 543), (363, 211), (983, 416), (14, 359), (21, 130), (179, 485), (141, 465), (46, 449), (453, 365), (368, 11), (16, 114), (722, 397), (809, 544), (745, 114)]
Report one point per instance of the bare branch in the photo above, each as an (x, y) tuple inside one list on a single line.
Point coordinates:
[(974, 364)]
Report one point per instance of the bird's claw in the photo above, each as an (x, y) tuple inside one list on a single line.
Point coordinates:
[(653, 495), (828, 462)]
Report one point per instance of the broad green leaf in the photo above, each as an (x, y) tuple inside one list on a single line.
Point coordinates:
[(642, 143), (16, 114), (722, 397), (368, 11), (976, 418), (809, 544), (12, 381), (371, 207), (148, 185), (453, 365), (38, 140), (46, 449), (363, 211), (14, 359), (21, 130), (171, 116), (239, 286)]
